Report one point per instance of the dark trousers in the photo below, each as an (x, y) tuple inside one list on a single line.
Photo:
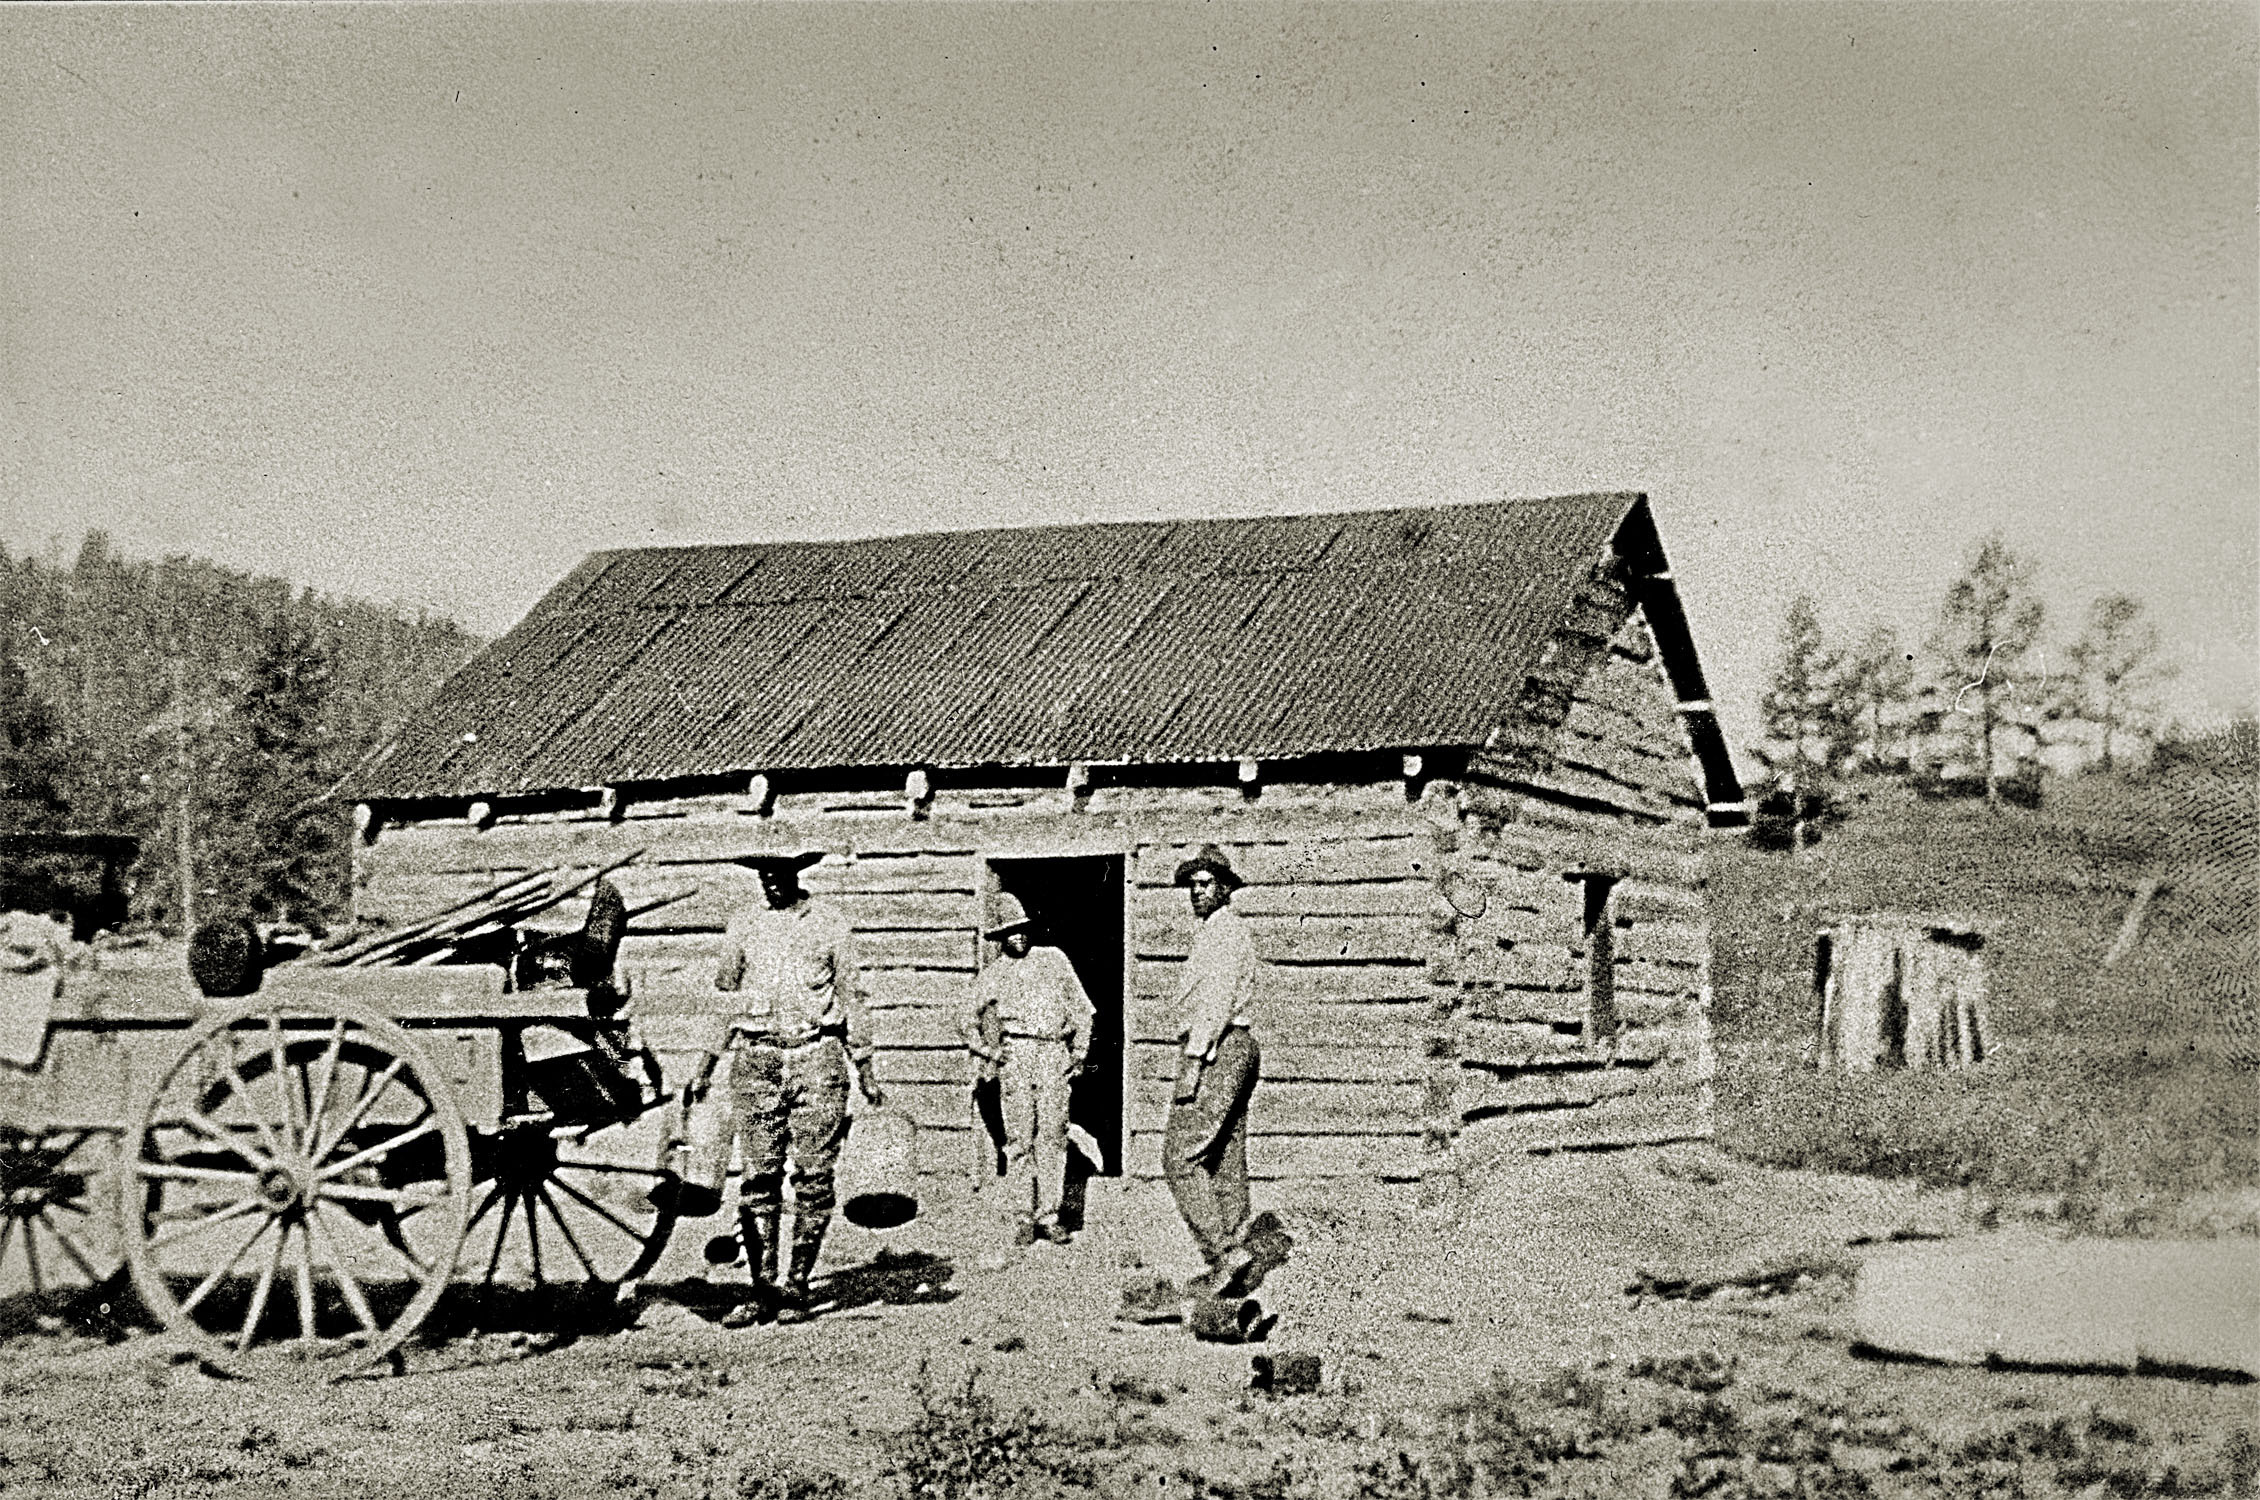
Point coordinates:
[(1204, 1147), (792, 1100)]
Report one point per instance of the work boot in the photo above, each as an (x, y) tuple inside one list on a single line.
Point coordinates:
[(758, 1229), (796, 1304)]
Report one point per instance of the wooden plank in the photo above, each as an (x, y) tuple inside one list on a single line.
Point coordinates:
[(929, 1026), (1304, 939), (1639, 901), (1293, 984), (907, 911), (1393, 856)]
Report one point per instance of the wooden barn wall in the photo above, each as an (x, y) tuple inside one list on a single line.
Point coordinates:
[(1593, 773), (1339, 897)]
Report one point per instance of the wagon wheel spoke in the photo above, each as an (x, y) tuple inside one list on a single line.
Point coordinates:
[(71, 1249), (321, 1100), (373, 1088), (203, 1288), (265, 1285), (533, 1234), (501, 1237), (347, 1284), (202, 1222), (287, 1079), (241, 1088), (594, 1207), (381, 1149), (314, 1090), (572, 1240), (219, 1135)]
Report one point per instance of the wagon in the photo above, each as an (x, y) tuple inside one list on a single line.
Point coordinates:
[(295, 1177)]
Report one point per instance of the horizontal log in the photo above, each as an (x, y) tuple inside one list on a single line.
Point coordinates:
[(1394, 856), (1276, 1158), (1286, 1062), (1295, 984), (1482, 1094), (1639, 901), (1510, 1044), (1681, 944), (1372, 1023), (1647, 1116), (923, 1066), (1169, 905), (1567, 1008), (1290, 1108), (876, 874), (1654, 978), (902, 911), (918, 950), (1304, 939)]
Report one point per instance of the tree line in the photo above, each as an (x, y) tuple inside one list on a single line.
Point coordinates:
[(1978, 709), (204, 711)]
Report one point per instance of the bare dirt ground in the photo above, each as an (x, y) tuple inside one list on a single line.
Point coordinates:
[(1417, 1314)]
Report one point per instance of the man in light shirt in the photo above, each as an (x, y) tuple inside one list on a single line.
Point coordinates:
[(1031, 1019), (1205, 1144), (799, 1025)]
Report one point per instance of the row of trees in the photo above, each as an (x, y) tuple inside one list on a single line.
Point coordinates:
[(1975, 710), (204, 711)]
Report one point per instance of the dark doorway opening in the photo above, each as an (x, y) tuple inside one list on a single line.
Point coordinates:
[(1077, 906)]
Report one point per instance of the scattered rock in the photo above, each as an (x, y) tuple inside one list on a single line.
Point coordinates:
[(1286, 1374)]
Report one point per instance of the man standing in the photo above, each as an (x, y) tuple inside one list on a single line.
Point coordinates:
[(800, 1024), (1205, 1144), (1035, 1008)]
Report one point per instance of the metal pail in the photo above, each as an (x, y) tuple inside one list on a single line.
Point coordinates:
[(879, 1170)]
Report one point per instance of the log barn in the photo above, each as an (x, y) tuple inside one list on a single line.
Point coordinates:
[(1462, 755)]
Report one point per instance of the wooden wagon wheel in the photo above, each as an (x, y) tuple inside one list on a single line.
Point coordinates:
[(56, 1229), (314, 1162), (560, 1207)]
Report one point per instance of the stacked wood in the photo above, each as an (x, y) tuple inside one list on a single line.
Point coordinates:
[(439, 935)]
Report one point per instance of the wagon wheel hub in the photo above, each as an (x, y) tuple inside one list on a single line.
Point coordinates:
[(27, 1201), (280, 1188)]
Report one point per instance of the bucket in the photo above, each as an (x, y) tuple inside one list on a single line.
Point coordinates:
[(879, 1170)]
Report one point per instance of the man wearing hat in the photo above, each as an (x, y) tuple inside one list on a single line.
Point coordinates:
[(1031, 1020), (799, 1026), (1205, 1143)]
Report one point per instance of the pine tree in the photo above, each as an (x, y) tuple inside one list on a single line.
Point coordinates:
[(1876, 692), (1808, 735), (1989, 622), (277, 847), (34, 767), (2115, 672)]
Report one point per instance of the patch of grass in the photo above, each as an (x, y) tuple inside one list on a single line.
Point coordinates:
[(964, 1446), (2095, 1124)]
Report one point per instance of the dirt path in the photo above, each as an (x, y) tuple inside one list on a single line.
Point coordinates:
[(1410, 1312)]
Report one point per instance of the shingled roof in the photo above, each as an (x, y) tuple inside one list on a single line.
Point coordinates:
[(1137, 642)]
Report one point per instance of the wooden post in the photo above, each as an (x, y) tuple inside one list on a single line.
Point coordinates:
[(479, 815), (1414, 775), (918, 793), (760, 796), (610, 805), (1249, 771)]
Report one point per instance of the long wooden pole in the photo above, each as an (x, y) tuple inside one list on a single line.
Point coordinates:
[(184, 761)]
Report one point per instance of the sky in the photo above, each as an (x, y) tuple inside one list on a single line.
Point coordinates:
[(424, 303)]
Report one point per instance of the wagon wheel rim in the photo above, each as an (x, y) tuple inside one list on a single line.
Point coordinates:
[(556, 1209), (265, 1180), (56, 1233)]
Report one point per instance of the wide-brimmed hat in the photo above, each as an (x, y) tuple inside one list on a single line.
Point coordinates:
[(1212, 860), (796, 861), (1006, 914)]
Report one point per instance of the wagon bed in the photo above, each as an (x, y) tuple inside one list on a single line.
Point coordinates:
[(296, 1177)]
